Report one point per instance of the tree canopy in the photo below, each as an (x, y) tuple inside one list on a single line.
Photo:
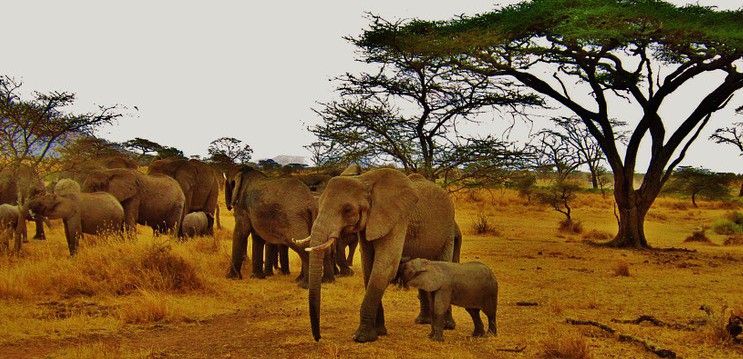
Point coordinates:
[(618, 52)]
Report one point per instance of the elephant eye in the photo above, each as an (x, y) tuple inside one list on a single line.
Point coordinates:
[(347, 209)]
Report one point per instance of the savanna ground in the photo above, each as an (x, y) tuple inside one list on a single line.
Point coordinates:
[(162, 298)]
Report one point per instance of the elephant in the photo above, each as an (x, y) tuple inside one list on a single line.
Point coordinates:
[(12, 224), (153, 200), (90, 213), (471, 285), (394, 215), (271, 210), (199, 183), (195, 224), (277, 257), (17, 185), (343, 261)]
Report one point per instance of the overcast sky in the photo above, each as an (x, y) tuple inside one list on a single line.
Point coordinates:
[(245, 69)]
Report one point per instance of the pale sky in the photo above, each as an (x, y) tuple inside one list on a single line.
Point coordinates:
[(245, 69)]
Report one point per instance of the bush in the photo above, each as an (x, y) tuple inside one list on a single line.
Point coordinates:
[(566, 347), (482, 225), (621, 269), (732, 223), (596, 235), (699, 235), (571, 226)]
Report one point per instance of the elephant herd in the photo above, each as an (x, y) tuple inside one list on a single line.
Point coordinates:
[(388, 214)]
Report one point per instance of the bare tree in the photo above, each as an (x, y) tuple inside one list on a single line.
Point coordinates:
[(32, 128)]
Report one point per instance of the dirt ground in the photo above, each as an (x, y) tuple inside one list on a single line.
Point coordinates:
[(545, 278)]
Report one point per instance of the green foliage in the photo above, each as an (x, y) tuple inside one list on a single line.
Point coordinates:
[(698, 181), (525, 182), (613, 23), (732, 223), (559, 196), (229, 151)]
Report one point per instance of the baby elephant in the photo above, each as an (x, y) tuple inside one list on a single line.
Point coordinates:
[(196, 224), (10, 218), (470, 285), (90, 213)]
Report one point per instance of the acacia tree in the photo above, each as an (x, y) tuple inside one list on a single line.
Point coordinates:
[(408, 109), (32, 127), (143, 145), (230, 149), (732, 135), (640, 51), (698, 181)]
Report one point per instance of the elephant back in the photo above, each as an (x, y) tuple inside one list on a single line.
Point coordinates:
[(431, 227)]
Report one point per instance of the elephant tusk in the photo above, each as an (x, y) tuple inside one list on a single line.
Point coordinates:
[(302, 242), (224, 175), (323, 246)]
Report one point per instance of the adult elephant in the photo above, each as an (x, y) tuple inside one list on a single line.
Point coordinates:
[(199, 183), (394, 215), (17, 185), (153, 200), (271, 210)]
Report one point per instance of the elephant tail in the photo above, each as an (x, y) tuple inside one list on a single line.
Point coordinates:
[(457, 243)]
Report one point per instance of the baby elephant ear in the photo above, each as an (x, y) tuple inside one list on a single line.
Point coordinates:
[(392, 199)]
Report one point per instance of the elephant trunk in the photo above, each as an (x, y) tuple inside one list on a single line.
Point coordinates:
[(319, 240)]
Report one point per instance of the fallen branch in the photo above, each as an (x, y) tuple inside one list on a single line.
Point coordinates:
[(527, 304), (654, 321), (512, 350), (660, 352)]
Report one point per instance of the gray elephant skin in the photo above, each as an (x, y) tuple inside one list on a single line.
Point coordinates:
[(12, 224), (394, 215), (195, 224), (470, 285), (199, 183), (156, 201), (17, 185), (90, 213), (271, 210)]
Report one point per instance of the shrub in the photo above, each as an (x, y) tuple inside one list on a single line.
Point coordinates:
[(717, 329), (482, 225), (621, 269), (571, 226), (736, 240), (732, 223), (699, 235), (596, 235), (148, 308), (566, 347)]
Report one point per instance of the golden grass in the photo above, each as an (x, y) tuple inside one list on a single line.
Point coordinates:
[(621, 269), (570, 346), (123, 298)]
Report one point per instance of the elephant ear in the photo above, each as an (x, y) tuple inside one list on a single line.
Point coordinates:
[(237, 189), (423, 276), (352, 170), (392, 199), (121, 186)]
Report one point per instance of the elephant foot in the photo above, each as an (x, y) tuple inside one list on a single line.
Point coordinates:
[(365, 335), (449, 323), (285, 272), (436, 336), (40, 237), (258, 275), (345, 272), (382, 331), (478, 333), (233, 274), (328, 279), (25, 240), (423, 319), (268, 273)]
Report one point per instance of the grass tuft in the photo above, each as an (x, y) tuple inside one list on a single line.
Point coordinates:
[(621, 269), (572, 346)]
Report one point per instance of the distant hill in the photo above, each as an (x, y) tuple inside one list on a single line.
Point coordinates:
[(285, 159)]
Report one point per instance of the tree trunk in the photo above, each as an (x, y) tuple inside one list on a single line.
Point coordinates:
[(594, 179), (694, 199), (632, 208)]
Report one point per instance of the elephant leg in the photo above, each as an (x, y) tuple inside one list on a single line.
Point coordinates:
[(424, 315), (258, 244), (381, 260), (284, 260), (490, 312), (441, 305), (131, 214), (340, 258), (271, 252), (39, 228), (239, 247), (479, 328)]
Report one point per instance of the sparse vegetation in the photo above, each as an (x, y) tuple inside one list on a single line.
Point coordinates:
[(731, 223), (571, 346), (699, 236), (621, 269), (482, 225)]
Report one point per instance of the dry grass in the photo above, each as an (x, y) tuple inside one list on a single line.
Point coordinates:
[(571, 346), (597, 236), (715, 331), (621, 269), (123, 298), (570, 226), (698, 236), (482, 226)]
